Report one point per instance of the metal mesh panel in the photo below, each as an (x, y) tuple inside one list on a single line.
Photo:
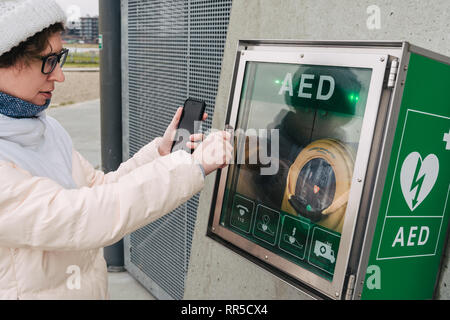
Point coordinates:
[(175, 50)]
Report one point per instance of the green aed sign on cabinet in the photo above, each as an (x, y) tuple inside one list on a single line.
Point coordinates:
[(341, 180), (414, 214)]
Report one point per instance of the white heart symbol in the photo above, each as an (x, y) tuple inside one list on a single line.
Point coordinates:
[(418, 177)]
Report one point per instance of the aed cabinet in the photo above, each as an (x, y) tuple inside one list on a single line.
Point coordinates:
[(341, 177)]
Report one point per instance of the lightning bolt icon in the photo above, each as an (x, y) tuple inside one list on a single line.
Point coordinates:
[(417, 183)]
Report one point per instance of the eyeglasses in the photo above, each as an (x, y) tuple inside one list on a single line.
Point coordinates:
[(49, 62)]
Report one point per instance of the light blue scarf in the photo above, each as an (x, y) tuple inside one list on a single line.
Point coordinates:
[(34, 141), (17, 108)]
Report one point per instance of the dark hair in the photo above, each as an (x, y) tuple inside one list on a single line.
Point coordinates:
[(30, 48)]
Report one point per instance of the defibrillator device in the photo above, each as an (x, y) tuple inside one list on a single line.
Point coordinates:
[(318, 183)]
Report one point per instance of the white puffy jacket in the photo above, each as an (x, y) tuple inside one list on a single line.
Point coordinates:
[(49, 234)]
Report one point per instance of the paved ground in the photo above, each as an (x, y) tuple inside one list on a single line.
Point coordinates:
[(82, 121), (80, 85), (122, 286)]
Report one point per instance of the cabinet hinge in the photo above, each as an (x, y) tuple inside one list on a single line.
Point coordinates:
[(393, 73)]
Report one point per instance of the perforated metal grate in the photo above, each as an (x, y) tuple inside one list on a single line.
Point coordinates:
[(174, 51)]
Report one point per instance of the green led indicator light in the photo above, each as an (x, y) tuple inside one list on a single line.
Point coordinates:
[(277, 81), (308, 207), (353, 98)]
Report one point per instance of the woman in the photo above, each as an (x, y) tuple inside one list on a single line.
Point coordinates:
[(56, 211)]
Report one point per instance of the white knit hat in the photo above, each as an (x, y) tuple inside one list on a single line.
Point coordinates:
[(21, 19)]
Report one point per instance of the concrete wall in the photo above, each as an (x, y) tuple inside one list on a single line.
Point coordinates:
[(216, 272)]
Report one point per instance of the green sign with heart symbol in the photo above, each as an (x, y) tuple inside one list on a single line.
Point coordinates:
[(414, 212)]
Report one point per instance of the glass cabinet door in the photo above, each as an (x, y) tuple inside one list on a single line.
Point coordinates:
[(298, 132), (297, 210)]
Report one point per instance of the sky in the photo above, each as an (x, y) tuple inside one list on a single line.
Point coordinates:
[(76, 8)]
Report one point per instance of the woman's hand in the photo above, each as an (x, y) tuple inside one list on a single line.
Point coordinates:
[(169, 136), (216, 152)]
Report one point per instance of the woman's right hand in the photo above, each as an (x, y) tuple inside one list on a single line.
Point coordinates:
[(215, 152)]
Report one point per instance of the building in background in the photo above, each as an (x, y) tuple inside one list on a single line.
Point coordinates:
[(89, 29), (82, 30), (72, 34)]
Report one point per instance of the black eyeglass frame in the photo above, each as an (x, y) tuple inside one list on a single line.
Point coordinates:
[(63, 52)]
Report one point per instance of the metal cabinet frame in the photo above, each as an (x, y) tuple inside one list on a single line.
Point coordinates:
[(375, 144)]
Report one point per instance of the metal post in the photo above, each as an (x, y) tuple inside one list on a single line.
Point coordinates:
[(111, 105)]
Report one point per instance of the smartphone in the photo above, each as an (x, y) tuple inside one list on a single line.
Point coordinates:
[(191, 118)]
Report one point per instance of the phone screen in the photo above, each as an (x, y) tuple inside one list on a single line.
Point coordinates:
[(189, 123)]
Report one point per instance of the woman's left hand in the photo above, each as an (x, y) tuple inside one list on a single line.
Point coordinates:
[(169, 136)]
